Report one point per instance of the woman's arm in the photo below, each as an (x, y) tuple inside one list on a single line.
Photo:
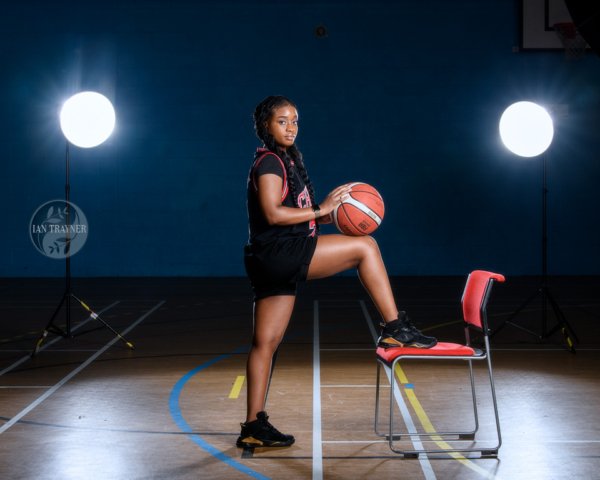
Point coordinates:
[(269, 198)]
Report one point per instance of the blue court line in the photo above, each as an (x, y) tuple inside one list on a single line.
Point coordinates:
[(175, 410)]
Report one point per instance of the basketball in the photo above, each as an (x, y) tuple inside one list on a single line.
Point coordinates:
[(361, 212)]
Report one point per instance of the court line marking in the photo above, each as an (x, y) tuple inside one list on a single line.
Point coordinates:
[(17, 387), (55, 350), (317, 454), (368, 442), (347, 386), (423, 459), (237, 386), (570, 441), (54, 340), (177, 416), (65, 379)]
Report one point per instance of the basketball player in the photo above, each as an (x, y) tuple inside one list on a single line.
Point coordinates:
[(285, 248)]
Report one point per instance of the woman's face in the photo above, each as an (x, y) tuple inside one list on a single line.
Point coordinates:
[(283, 125)]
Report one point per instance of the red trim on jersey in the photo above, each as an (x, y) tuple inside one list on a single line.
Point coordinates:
[(265, 152)]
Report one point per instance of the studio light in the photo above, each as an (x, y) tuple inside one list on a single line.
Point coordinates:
[(87, 119), (527, 130)]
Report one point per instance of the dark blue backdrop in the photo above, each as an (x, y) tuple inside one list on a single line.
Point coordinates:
[(404, 95)]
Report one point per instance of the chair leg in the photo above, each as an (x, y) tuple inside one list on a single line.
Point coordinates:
[(377, 387), (493, 389), (488, 451), (471, 435), (392, 385)]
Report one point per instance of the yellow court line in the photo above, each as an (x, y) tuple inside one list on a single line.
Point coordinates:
[(429, 428), (401, 375), (237, 387)]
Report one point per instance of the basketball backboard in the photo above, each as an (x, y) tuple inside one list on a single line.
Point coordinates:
[(538, 18)]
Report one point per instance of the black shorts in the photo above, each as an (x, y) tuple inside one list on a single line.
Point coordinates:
[(275, 268)]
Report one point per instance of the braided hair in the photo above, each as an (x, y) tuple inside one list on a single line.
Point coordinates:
[(262, 114)]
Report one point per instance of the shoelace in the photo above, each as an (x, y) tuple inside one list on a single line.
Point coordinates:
[(411, 328), (405, 326), (271, 429), (267, 426)]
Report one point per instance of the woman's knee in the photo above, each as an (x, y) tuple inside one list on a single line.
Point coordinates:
[(266, 343), (369, 245)]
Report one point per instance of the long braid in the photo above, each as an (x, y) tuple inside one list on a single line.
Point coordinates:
[(306, 180), (262, 114), (287, 161)]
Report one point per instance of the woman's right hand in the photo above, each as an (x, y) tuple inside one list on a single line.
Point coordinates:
[(335, 197)]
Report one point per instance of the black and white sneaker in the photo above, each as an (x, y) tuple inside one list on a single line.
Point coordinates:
[(402, 333), (260, 433)]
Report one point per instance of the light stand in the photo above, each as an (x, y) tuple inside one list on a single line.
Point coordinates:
[(562, 323), (65, 301)]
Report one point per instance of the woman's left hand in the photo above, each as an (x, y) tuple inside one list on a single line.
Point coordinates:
[(335, 197)]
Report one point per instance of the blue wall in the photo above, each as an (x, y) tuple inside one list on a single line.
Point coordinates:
[(404, 95)]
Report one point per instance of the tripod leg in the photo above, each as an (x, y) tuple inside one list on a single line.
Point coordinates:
[(95, 316), (50, 327), (39, 343), (568, 340), (515, 314), (562, 324)]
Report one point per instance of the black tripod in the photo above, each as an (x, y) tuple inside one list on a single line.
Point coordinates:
[(562, 323), (51, 327)]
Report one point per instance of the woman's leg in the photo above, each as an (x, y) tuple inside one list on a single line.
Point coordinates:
[(336, 253), (271, 318)]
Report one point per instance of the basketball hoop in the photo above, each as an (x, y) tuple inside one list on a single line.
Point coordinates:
[(573, 42)]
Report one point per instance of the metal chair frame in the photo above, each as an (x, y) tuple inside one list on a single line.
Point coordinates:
[(480, 325)]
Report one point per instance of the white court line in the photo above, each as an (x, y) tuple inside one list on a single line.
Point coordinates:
[(367, 442), (52, 390), (17, 387), (569, 441), (55, 350), (423, 460), (317, 466), (347, 386), (53, 341)]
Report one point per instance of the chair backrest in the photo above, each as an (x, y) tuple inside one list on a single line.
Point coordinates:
[(475, 297)]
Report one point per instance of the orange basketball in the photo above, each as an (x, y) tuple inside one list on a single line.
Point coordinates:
[(361, 213)]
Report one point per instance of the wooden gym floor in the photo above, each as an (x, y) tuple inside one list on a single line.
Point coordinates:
[(91, 408)]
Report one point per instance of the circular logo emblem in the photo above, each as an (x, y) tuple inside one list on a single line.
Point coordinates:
[(58, 229)]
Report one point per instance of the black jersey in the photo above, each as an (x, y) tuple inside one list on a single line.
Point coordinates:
[(261, 232)]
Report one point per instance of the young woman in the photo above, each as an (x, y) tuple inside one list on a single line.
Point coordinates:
[(285, 248)]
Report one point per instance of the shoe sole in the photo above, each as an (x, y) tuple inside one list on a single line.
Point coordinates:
[(254, 443), (397, 344)]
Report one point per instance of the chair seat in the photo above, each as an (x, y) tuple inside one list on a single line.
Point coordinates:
[(441, 349)]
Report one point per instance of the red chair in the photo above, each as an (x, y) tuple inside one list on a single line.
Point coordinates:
[(474, 302)]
